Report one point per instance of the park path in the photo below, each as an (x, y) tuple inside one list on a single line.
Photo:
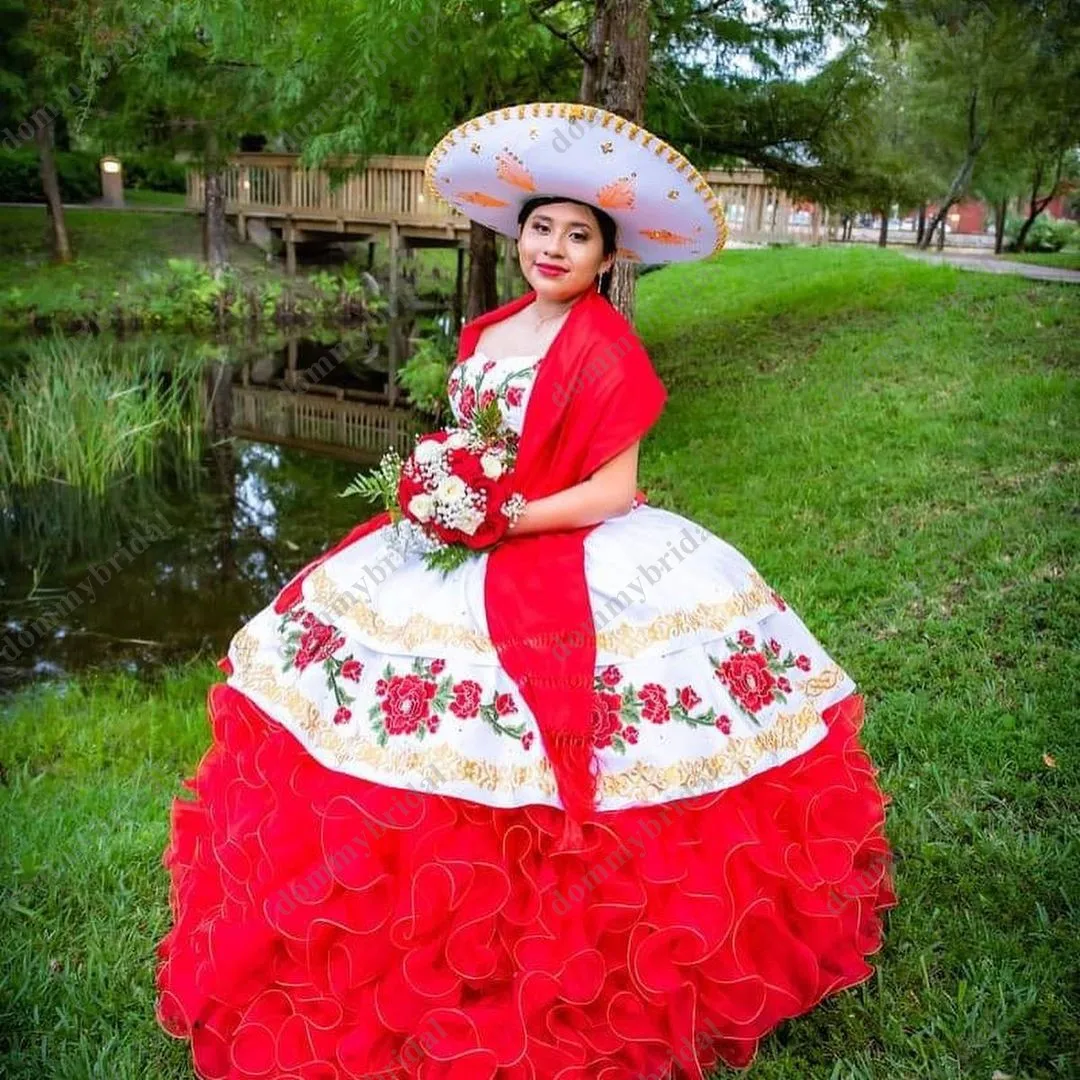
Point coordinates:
[(991, 264)]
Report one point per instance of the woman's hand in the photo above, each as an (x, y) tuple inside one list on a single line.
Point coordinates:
[(608, 493)]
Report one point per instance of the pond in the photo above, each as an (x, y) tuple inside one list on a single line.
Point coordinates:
[(165, 563)]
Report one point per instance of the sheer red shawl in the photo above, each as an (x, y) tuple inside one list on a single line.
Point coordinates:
[(595, 393)]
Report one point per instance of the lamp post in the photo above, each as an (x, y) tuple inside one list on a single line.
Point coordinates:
[(112, 182)]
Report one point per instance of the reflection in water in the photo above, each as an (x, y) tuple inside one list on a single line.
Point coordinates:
[(167, 566)]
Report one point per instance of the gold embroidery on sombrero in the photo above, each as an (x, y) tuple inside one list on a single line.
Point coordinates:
[(623, 640), (638, 782)]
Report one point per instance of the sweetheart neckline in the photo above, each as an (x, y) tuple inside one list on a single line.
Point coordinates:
[(502, 359)]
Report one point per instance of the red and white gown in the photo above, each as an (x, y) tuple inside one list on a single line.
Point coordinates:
[(366, 882)]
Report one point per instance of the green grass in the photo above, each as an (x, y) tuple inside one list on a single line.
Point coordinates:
[(893, 445), (1065, 260)]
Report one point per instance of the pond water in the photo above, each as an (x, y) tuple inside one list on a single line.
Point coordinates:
[(168, 565)]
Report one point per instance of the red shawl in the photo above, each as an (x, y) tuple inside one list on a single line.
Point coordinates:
[(595, 393)]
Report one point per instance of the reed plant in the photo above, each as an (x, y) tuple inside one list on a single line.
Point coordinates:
[(85, 414)]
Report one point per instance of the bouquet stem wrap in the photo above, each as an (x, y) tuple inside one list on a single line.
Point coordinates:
[(595, 394)]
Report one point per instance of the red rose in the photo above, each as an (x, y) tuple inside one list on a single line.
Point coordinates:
[(631, 734), (746, 638), (505, 704), (802, 662), (437, 666), (317, 644), (352, 669), (774, 646), (724, 724), (488, 365), (514, 395), (467, 403), (342, 716), (605, 718), (688, 698), (656, 707), (466, 701), (610, 676), (527, 739), (486, 398), (748, 678), (784, 685), (406, 704)]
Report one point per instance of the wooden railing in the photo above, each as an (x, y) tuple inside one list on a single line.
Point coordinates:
[(391, 189), (296, 419)]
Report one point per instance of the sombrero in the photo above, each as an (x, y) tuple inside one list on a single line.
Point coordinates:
[(487, 167)]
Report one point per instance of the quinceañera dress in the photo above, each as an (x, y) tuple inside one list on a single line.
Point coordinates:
[(378, 874)]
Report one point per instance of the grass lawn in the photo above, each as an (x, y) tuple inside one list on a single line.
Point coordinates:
[(894, 446), (1065, 260)]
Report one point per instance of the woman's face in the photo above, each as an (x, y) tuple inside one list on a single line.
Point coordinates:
[(565, 236)]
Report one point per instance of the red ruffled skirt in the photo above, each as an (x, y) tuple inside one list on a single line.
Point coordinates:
[(326, 927)]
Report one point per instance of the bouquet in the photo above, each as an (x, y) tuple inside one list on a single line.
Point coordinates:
[(454, 495)]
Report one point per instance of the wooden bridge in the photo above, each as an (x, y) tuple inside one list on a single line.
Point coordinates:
[(387, 200)]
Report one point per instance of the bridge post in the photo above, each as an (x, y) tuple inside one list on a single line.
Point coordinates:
[(290, 249)]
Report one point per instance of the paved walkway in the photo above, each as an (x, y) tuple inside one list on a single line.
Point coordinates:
[(991, 264)]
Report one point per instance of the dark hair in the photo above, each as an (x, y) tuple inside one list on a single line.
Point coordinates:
[(608, 228)]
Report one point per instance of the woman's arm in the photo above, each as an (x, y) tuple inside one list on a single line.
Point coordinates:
[(609, 492)]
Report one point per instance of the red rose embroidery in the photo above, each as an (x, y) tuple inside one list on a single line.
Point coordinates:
[(688, 698), (466, 701), (746, 638), (437, 666), (655, 706), (467, 403), (748, 678), (505, 704), (352, 669), (774, 646), (610, 676), (802, 662), (405, 706), (317, 644), (630, 734), (724, 724), (527, 739), (488, 365), (486, 398), (342, 716), (514, 396), (605, 718), (784, 685)]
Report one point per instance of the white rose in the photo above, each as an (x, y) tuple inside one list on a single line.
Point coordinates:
[(451, 489), (427, 451), (492, 466), (421, 507), (458, 440), (471, 522)]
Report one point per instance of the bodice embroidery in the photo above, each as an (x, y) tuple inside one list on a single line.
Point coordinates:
[(475, 382)]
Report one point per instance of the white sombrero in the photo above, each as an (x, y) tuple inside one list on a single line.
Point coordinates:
[(489, 166)]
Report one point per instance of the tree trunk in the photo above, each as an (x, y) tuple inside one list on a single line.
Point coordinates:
[(483, 261), (920, 231), (616, 78), (883, 232), (50, 183), (1000, 212), (975, 142), (215, 247), (1036, 205), (940, 235)]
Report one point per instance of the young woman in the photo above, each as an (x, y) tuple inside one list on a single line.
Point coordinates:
[(592, 806)]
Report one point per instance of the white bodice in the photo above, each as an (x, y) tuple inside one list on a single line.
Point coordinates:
[(479, 379)]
